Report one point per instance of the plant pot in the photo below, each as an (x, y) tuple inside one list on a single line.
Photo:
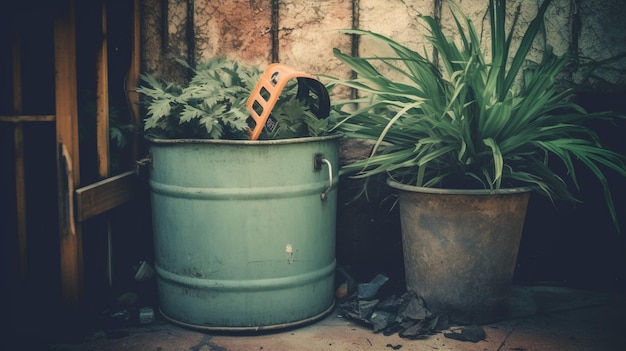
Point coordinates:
[(460, 248), (244, 231)]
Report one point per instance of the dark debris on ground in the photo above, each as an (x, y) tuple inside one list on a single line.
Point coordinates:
[(405, 314)]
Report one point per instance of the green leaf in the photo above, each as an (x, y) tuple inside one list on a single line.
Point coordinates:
[(472, 119)]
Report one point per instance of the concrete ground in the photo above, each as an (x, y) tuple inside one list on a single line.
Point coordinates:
[(539, 318)]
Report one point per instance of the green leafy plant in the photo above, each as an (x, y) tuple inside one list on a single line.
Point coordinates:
[(473, 119), (295, 119), (212, 105)]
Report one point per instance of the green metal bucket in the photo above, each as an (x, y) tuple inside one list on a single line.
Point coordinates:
[(244, 231)]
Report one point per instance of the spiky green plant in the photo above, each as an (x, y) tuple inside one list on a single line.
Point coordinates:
[(468, 121)]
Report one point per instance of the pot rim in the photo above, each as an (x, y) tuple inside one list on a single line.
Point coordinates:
[(419, 189), (244, 142)]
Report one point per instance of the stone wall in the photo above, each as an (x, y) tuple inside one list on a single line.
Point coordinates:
[(302, 33)]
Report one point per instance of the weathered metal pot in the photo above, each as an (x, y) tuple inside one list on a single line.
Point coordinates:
[(460, 248), (244, 231)]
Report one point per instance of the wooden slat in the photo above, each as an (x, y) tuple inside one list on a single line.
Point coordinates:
[(104, 195), (133, 78), (102, 126), (27, 118), (102, 103), (68, 176), (20, 200), (18, 142), (16, 67)]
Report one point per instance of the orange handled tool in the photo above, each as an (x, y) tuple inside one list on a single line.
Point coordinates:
[(268, 89)]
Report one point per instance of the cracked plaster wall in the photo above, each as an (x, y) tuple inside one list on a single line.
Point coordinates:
[(302, 33)]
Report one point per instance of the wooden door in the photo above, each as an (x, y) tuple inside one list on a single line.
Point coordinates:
[(77, 203)]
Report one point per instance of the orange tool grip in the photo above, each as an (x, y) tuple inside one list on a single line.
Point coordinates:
[(266, 93)]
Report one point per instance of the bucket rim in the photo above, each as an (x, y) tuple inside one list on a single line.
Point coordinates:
[(448, 191), (244, 142)]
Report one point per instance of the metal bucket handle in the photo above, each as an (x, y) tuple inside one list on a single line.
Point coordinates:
[(317, 166)]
